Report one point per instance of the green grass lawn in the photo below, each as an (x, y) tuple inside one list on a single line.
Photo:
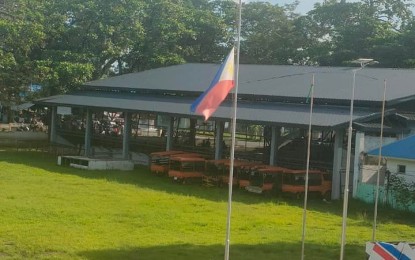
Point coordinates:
[(53, 212)]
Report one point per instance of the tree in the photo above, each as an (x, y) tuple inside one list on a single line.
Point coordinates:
[(213, 27), (408, 41), (164, 24), (62, 44), (269, 34), (396, 13), (21, 31), (179, 31), (346, 31), (85, 40)]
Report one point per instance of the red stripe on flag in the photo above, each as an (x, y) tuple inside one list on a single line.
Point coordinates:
[(382, 252), (214, 98)]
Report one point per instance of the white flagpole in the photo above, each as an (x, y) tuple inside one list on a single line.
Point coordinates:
[(307, 169), (232, 155), (375, 215), (363, 63)]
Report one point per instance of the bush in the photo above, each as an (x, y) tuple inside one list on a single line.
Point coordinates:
[(403, 191)]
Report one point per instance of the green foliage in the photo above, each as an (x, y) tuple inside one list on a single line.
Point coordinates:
[(86, 38), (20, 33), (402, 190), (268, 34), (346, 31), (61, 44), (164, 24), (179, 31), (212, 24)]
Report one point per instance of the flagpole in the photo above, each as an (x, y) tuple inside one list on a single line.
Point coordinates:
[(375, 215), (363, 64), (307, 170), (232, 152)]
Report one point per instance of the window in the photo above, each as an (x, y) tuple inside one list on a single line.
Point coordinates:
[(401, 168)]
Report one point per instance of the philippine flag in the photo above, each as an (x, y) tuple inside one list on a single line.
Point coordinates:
[(223, 82)]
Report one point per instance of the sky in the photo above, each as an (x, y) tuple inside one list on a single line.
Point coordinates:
[(303, 7)]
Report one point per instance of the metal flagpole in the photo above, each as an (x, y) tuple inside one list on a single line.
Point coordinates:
[(232, 155), (346, 182), (375, 215), (363, 63), (307, 170)]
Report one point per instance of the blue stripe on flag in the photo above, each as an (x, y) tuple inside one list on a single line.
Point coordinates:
[(212, 84), (391, 249)]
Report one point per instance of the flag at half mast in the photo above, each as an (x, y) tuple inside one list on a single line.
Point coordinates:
[(207, 103)]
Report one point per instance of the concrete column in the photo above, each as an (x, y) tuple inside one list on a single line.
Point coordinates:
[(88, 132), (220, 126), (126, 136), (53, 124), (169, 134), (273, 146), (358, 148), (337, 164)]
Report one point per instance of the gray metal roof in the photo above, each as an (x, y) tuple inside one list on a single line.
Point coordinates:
[(334, 83), (271, 113), (408, 116), (23, 106)]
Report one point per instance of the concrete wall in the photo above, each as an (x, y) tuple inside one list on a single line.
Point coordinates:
[(366, 187), (95, 164), (393, 163), (366, 192), (13, 138), (369, 175), (364, 143)]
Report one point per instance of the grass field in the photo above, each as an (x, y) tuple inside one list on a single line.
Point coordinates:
[(53, 212)]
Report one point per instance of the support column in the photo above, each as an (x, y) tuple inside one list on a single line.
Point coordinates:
[(220, 126), (273, 146), (53, 124), (358, 149), (88, 132), (337, 164), (169, 134), (192, 128), (126, 136)]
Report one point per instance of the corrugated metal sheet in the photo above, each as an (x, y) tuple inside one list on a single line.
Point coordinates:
[(376, 127), (334, 83), (23, 106), (271, 113), (402, 149), (407, 116)]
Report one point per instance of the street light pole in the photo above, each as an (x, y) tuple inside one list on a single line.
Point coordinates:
[(363, 63), (375, 215)]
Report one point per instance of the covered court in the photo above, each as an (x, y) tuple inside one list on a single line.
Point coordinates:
[(272, 97)]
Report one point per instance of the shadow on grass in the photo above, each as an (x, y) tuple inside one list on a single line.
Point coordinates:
[(141, 177), (240, 252)]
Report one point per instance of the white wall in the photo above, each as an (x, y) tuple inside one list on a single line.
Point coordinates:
[(365, 143), (393, 163)]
